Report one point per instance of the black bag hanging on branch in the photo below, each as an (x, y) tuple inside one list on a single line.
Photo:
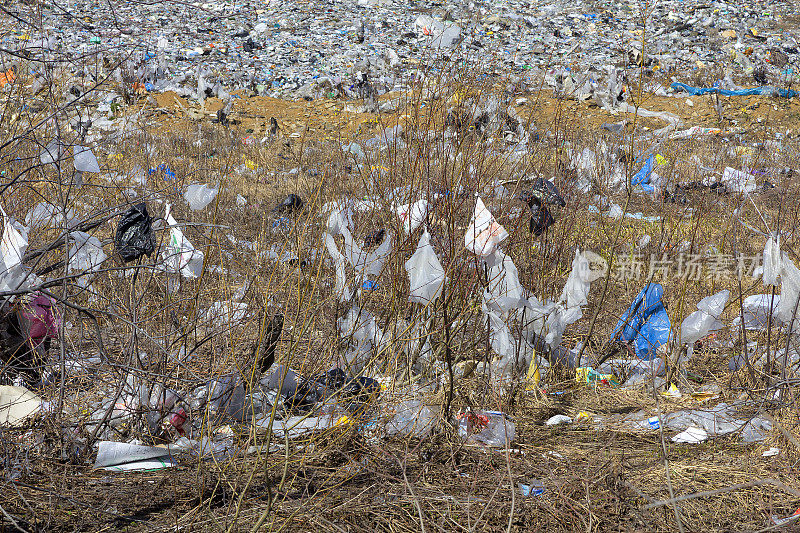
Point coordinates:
[(135, 234)]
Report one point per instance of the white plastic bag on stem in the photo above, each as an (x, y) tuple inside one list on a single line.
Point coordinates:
[(425, 273), (705, 320), (179, 254), (484, 234), (772, 261), (505, 292), (576, 289), (12, 250), (412, 215), (13, 244), (199, 196), (84, 160), (339, 261), (86, 253), (790, 292), (366, 263)]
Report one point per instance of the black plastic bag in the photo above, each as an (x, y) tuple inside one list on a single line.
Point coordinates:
[(290, 204), (135, 234), (542, 195), (541, 219)]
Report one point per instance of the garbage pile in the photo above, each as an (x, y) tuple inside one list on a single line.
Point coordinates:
[(364, 48), (213, 292)]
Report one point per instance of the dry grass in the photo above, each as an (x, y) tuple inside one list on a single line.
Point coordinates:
[(596, 477)]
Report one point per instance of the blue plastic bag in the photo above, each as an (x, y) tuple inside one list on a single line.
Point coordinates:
[(756, 91), (645, 323), (642, 177)]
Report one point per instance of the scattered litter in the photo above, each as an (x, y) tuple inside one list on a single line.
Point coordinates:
[(692, 435), (557, 420), (17, 404)]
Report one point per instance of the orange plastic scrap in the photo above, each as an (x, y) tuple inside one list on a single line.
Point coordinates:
[(7, 77), (138, 88)]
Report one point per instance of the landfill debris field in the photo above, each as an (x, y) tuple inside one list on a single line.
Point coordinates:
[(380, 265)]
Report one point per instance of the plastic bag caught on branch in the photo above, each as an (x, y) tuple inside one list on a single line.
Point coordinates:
[(86, 253), (772, 261), (705, 320), (425, 272), (135, 236), (179, 254), (484, 234), (366, 263)]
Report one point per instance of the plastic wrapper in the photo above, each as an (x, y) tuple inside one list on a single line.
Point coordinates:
[(490, 428), (411, 418), (425, 272)]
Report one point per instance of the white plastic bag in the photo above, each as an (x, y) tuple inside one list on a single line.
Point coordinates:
[(692, 435), (179, 255), (484, 234), (505, 292), (85, 160), (576, 289), (501, 341), (360, 326), (199, 196), (756, 310), (366, 263), (86, 253), (425, 272), (705, 320), (790, 291), (340, 218), (53, 152), (412, 215), (739, 181), (339, 261), (772, 261), (43, 214), (12, 246)]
